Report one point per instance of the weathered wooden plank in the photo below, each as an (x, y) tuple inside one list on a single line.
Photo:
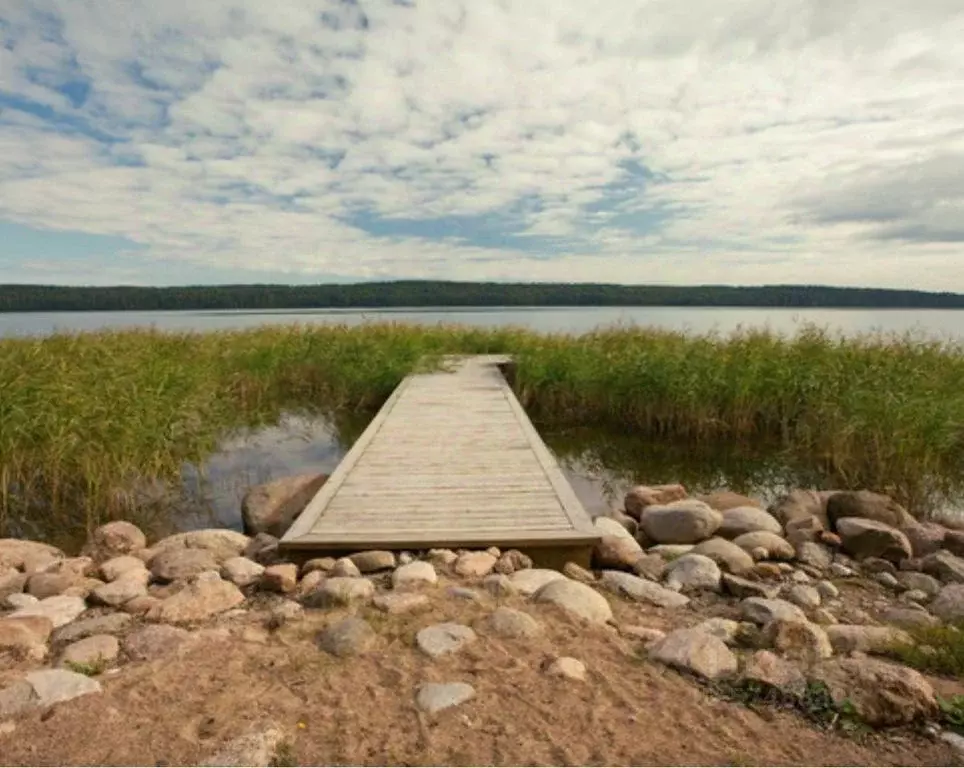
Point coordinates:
[(450, 460)]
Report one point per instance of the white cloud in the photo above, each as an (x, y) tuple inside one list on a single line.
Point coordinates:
[(783, 140)]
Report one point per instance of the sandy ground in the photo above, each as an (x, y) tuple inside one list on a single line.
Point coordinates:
[(360, 711)]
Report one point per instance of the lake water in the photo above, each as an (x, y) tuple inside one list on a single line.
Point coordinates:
[(945, 324), (599, 466)]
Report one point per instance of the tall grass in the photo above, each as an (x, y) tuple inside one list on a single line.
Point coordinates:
[(83, 417)]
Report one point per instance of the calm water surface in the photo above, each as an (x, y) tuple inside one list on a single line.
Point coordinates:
[(937, 323)]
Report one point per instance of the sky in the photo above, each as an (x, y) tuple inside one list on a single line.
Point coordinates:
[(740, 142)]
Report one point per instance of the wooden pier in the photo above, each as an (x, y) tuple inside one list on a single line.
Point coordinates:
[(451, 460)]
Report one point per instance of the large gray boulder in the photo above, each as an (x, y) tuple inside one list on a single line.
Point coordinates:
[(869, 506), (740, 520), (273, 507), (681, 522), (730, 557), (944, 566), (777, 548), (641, 590), (643, 496), (800, 504), (577, 599), (949, 603), (693, 572), (696, 651), (863, 538)]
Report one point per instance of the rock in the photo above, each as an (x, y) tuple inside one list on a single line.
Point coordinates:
[(282, 578), (724, 501), (121, 591), (803, 529), (832, 540), (222, 543), (823, 616), (154, 641), (116, 567), (954, 542), (804, 595), (649, 566), (813, 554), (738, 587), (642, 590), (762, 611), (616, 552), (323, 564), (273, 507), (107, 624), (26, 634), (914, 598), (442, 639), (841, 571), (727, 555), (766, 571), (177, 564), (61, 609), (643, 496), (874, 565), (44, 688), (695, 651), (609, 526), (693, 572), (437, 697), (498, 585), (530, 581), (241, 571), (949, 603), (115, 539), (374, 560), (398, 603), (799, 577), (802, 504), (350, 636), (646, 634), (726, 630), (141, 606), (776, 547), (866, 505), (880, 694), (944, 566), (887, 580), (415, 575), (12, 583), (206, 596), (909, 618), (345, 568), (869, 538), (264, 549), (285, 612), (920, 581), (681, 522), (512, 561), (18, 600), (827, 590), (475, 565), (740, 520), (42, 585), (442, 557), (578, 573), (91, 651), (508, 622), (669, 552), (798, 640), (629, 524), (925, 538), (257, 747), (568, 667), (341, 591), (847, 638), (577, 599), (769, 669), (465, 593)]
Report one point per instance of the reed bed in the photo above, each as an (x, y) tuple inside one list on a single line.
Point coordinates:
[(84, 418)]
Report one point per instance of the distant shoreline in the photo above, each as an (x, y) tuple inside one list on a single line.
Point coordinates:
[(408, 295)]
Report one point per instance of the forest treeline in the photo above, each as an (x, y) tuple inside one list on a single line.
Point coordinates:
[(416, 293)]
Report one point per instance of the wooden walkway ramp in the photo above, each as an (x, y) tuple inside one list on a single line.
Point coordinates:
[(451, 460)]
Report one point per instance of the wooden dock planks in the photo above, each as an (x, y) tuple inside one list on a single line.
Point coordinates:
[(451, 460)]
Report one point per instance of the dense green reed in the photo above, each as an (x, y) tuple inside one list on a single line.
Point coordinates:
[(82, 417)]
